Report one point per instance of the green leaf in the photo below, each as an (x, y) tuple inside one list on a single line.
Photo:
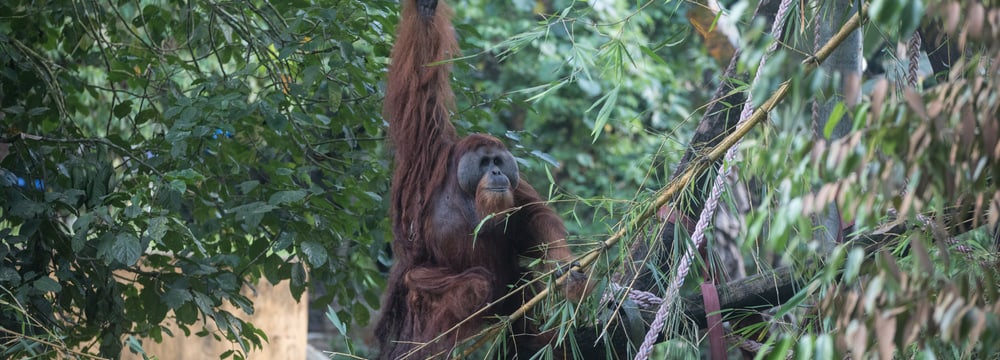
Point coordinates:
[(205, 303), (298, 284), (853, 267), (284, 241), (649, 52), (285, 197), (315, 253), (545, 157), (886, 13), (135, 345), (143, 116), (795, 301), (252, 213), (805, 347), (126, 249), (81, 228), (187, 313), (123, 109), (189, 174), (335, 320), (609, 100), (37, 111), (46, 284), (178, 185), (360, 312), (9, 275), (156, 309), (374, 196), (26, 209), (913, 13), (156, 228), (247, 186), (273, 273), (836, 115), (548, 89), (834, 264), (276, 121), (132, 211), (175, 298)]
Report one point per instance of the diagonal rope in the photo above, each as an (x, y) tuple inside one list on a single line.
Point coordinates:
[(713, 201)]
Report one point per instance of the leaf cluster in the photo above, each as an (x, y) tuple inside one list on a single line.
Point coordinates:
[(160, 158)]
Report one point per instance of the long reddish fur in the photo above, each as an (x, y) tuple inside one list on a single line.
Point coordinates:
[(440, 278), (417, 104)]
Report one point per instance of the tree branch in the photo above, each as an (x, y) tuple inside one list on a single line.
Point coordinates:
[(102, 141)]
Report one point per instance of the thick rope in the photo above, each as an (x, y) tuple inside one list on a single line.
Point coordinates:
[(815, 103), (643, 299), (646, 300), (913, 55), (713, 201)]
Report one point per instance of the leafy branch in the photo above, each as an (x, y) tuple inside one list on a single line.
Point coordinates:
[(678, 184), (100, 141)]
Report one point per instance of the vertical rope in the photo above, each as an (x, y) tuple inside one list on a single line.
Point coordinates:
[(815, 102), (913, 55), (713, 201)]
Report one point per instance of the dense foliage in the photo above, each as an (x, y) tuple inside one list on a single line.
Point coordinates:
[(163, 155), (158, 156)]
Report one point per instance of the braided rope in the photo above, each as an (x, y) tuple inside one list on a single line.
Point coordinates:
[(815, 102), (641, 298), (713, 201), (745, 344), (913, 55)]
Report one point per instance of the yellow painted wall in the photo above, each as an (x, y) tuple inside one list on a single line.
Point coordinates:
[(284, 320)]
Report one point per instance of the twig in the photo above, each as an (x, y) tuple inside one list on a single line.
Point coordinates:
[(102, 141), (50, 344)]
